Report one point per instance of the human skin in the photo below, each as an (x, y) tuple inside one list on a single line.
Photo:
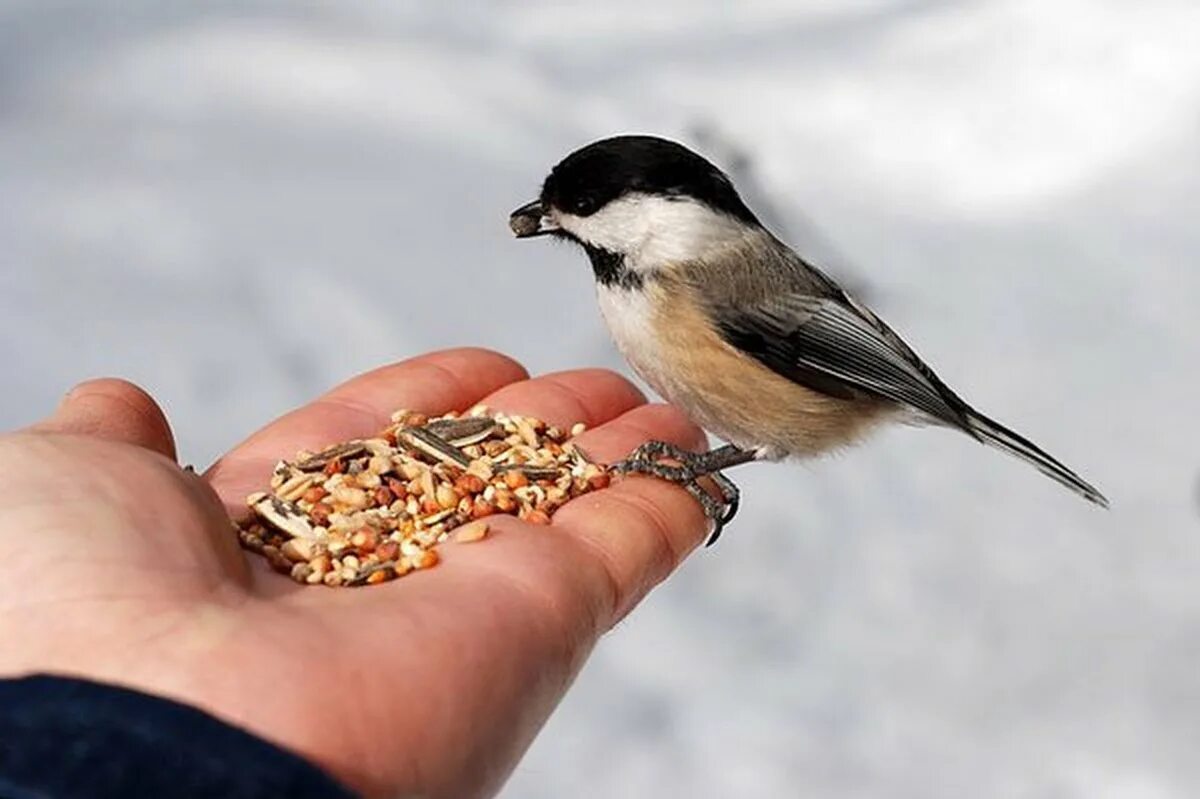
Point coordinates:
[(122, 567)]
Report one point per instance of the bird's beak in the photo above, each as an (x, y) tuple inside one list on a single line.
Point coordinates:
[(531, 220)]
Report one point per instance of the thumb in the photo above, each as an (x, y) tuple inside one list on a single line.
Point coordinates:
[(115, 410)]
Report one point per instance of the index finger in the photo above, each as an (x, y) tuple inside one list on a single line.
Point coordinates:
[(434, 383)]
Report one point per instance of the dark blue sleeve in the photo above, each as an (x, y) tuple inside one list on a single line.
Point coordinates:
[(63, 738)]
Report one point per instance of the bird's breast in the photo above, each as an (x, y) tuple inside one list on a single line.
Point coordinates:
[(630, 317)]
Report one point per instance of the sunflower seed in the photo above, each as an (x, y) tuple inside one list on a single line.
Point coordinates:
[(321, 459), (434, 446)]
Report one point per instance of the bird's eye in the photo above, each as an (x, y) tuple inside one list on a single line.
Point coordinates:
[(583, 205)]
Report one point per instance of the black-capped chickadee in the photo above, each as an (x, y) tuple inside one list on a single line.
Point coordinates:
[(753, 343)]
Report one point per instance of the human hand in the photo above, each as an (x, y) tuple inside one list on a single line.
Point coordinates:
[(122, 568)]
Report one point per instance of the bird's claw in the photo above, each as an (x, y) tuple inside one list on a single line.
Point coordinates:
[(649, 459)]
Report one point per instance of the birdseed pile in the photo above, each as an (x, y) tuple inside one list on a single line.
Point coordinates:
[(371, 510)]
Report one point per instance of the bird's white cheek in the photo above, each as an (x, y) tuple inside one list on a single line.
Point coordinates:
[(654, 232), (618, 227)]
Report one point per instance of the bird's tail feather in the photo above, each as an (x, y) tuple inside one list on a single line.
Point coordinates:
[(997, 435)]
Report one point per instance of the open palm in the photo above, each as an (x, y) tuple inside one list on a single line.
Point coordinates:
[(122, 567)]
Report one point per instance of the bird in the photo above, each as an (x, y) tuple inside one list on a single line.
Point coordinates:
[(755, 344)]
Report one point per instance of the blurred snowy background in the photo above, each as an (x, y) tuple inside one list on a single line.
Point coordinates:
[(186, 187)]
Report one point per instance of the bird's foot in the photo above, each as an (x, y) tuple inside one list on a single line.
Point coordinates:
[(669, 462)]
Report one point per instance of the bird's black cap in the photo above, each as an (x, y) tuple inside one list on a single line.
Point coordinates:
[(592, 176)]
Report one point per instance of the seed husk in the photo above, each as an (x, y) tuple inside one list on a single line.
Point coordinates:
[(284, 516), (432, 445), (317, 462), (462, 432)]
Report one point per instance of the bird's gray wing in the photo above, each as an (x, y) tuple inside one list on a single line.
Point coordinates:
[(836, 346)]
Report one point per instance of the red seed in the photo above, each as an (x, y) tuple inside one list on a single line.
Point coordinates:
[(469, 484), (365, 540), (425, 559), (320, 514), (505, 502), (314, 495)]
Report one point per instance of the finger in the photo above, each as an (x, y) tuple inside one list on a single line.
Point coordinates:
[(640, 528), (433, 383), (115, 410), (617, 438), (591, 396)]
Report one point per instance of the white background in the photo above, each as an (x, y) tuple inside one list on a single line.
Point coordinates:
[(239, 204)]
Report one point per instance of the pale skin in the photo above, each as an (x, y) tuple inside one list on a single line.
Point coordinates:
[(121, 567)]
